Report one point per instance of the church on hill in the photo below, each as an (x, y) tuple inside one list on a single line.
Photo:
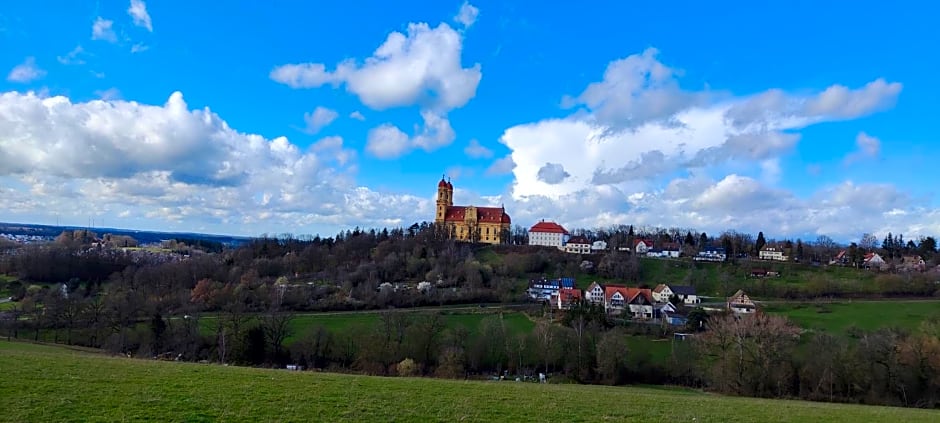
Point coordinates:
[(488, 225)]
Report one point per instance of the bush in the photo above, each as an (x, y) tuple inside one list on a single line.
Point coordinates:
[(407, 367)]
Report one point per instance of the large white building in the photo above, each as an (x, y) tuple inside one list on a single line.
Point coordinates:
[(772, 253), (549, 234)]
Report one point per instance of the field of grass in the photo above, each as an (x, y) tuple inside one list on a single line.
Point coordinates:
[(868, 315), (516, 322), (46, 383)]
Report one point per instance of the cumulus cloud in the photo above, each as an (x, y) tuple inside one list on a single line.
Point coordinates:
[(867, 147), (26, 72), (775, 109), (318, 119), (635, 90), (186, 168), (467, 15), (102, 30), (138, 12), (357, 115), (475, 150), (387, 141), (639, 125), (421, 66), (552, 173)]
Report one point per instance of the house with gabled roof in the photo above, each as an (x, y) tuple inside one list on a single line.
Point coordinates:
[(740, 303), (594, 294), (566, 298), (578, 245), (549, 234), (662, 293), (873, 261), (686, 294), (642, 246), (636, 302)]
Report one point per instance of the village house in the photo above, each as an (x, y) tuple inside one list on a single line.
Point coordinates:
[(740, 303), (873, 261), (598, 246), (549, 234), (594, 294), (578, 245), (662, 293), (716, 254), (772, 253), (686, 294), (544, 289), (642, 246), (668, 250), (636, 302), (913, 263), (566, 298)]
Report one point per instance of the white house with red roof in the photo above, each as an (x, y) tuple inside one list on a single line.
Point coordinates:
[(549, 234), (566, 298), (636, 302), (642, 246)]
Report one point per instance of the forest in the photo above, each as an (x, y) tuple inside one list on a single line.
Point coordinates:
[(238, 305)]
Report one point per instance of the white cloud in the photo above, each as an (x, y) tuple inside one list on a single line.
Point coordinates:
[(635, 90), (867, 147), (102, 30), (183, 168), (467, 15), (476, 151), (388, 141), (640, 126), (26, 72), (357, 116), (138, 11), (419, 67), (320, 118), (139, 48), (73, 57)]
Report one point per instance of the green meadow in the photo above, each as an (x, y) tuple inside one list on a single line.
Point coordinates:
[(53, 383)]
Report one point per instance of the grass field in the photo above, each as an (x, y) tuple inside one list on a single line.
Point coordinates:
[(45, 383), (516, 322), (867, 315)]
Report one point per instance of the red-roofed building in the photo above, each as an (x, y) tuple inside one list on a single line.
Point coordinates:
[(637, 302), (566, 298), (549, 234), (488, 225)]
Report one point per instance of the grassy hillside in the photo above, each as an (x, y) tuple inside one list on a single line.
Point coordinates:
[(868, 315), (44, 383)]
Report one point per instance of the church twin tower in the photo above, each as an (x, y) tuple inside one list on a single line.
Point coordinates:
[(488, 225)]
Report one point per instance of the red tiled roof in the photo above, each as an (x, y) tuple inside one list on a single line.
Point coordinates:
[(572, 293), (578, 240), (442, 183), (645, 241), (549, 227), (629, 294), (484, 214)]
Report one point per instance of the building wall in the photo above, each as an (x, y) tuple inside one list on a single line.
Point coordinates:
[(548, 239)]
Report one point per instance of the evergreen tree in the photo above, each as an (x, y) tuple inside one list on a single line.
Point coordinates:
[(689, 239), (759, 244)]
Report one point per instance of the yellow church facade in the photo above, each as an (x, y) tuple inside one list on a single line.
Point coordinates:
[(489, 225)]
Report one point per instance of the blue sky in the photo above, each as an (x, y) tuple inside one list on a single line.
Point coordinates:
[(788, 117)]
